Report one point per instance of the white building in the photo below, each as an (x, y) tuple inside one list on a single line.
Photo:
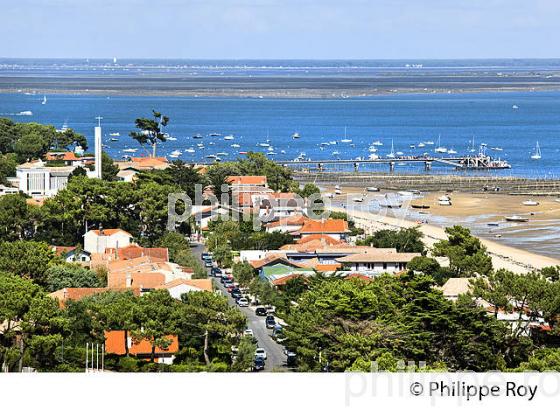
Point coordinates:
[(376, 262), (97, 240), (37, 180)]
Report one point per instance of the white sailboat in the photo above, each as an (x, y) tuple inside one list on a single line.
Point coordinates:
[(439, 148), (537, 153), (44, 100), (392, 153)]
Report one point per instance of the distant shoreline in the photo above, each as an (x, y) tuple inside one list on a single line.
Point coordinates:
[(268, 93)]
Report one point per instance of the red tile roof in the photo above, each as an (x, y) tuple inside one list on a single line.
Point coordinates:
[(246, 180), (61, 156), (136, 251), (321, 237), (115, 344), (297, 220), (285, 279), (109, 232), (327, 226), (327, 267), (274, 258)]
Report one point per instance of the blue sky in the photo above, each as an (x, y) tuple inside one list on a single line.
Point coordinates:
[(280, 28)]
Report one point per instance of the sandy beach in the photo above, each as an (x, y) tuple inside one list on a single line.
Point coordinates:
[(520, 247)]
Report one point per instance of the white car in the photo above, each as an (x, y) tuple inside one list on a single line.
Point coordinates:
[(248, 332), (242, 302), (260, 352)]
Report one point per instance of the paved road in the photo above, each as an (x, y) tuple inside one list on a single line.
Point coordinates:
[(276, 360)]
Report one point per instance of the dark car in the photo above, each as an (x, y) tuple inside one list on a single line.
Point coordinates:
[(291, 360), (204, 255), (258, 364), (208, 264), (270, 322), (260, 311), (216, 272), (236, 293)]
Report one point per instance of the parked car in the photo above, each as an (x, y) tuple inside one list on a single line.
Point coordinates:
[(260, 311), (236, 294), (270, 322), (242, 302), (204, 255), (260, 352), (248, 332), (291, 360), (258, 365), (208, 264), (216, 272)]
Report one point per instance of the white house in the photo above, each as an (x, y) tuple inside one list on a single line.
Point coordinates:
[(97, 240), (376, 262)]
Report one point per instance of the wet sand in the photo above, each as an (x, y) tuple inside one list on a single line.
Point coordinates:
[(518, 246)]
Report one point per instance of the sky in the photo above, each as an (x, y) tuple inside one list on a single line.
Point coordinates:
[(268, 29)]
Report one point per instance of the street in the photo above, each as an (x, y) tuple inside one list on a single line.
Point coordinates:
[(276, 360)]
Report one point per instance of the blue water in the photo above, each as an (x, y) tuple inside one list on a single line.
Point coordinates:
[(405, 119)]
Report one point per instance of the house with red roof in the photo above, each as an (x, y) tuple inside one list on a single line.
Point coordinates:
[(97, 240), (116, 343), (335, 228)]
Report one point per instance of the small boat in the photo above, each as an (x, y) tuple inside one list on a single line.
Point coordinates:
[(392, 153), (295, 135), (493, 224), (537, 153), (130, 150), (429, 143), (412, 146), (114, 139), (530, 202), (197, 136), (420, 206), (497, 149), (337, 191), (190, 150), (516, 218), (25, 113), (377, 143), (405, 193), (235, 145), (372, 149), (211, 156), (176, 153), (399, 153), (243, 152), (444, 203), (373, 156), (372, 189), (439, 148), (346, 140), (114, 134), (44, 100), (214, 134), (358, 199), (171, 139), (451, 151), (421, 145), (444, 198), (514, 107), (390, 205), (229, 137), (264, 144)]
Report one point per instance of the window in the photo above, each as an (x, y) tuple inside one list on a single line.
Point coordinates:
[(384, 265)]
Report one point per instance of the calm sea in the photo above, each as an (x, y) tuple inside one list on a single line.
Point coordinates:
[(489, 118)]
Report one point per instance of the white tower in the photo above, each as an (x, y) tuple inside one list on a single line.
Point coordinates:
[(98, 148)]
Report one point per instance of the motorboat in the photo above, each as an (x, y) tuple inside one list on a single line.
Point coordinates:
[(516, 218), (229, 137), (295, 135), (372, 189), (444, 203), (530, 202), (130, 150)]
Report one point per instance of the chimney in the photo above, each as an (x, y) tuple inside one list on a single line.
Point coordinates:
[(128, 280)]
